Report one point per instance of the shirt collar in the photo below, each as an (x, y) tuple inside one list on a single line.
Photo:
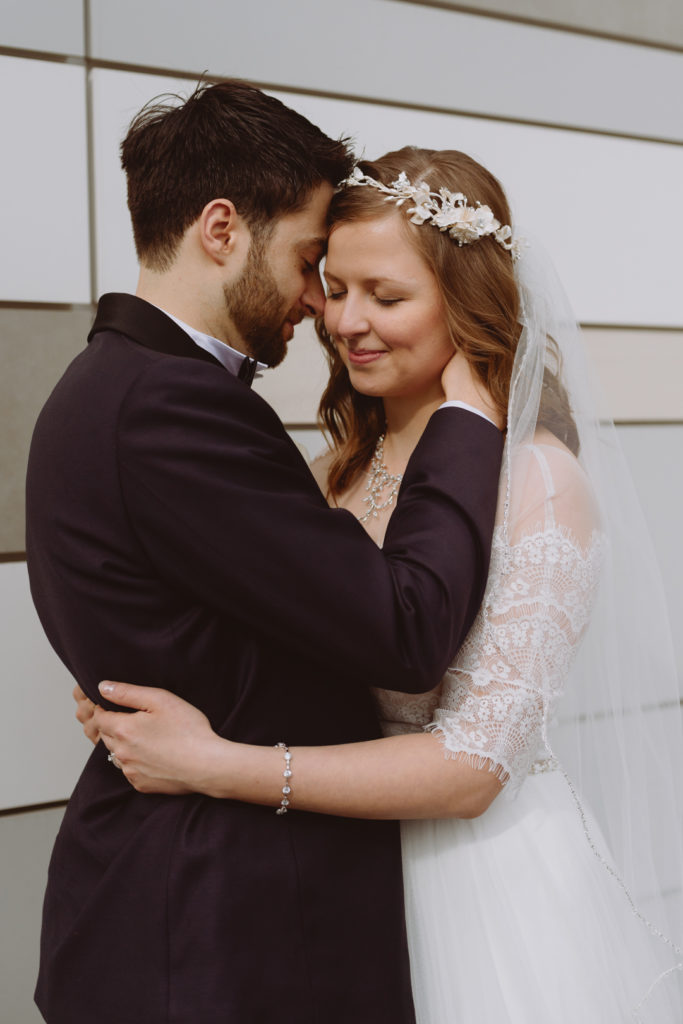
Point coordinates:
[(229, 357)]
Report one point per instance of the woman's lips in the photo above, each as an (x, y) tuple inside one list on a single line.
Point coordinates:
[(360, 358)]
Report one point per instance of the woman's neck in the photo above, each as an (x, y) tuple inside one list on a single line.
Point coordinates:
[(406, 419)]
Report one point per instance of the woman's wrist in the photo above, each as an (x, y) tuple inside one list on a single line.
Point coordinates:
[(240, 771), (212, 772)]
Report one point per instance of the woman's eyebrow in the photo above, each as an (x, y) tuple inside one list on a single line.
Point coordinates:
[(371, 282)]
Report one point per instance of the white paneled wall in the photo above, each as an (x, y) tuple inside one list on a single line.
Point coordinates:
[(44, 194), (42, 25), (404, 53), (657, 22), (655, 455)]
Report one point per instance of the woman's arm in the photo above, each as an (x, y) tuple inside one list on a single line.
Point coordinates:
[(169, 746)]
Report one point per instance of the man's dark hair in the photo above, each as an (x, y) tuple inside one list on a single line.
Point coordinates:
[(228, 140)]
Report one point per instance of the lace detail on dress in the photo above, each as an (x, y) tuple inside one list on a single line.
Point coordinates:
[(501, 692), (405, 712)]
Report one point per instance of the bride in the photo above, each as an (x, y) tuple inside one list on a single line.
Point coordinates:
[(527, 780)]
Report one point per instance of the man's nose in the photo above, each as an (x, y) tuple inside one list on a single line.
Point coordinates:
[(314, 296)]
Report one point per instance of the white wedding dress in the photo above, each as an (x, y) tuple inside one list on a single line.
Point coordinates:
[(514, 917)]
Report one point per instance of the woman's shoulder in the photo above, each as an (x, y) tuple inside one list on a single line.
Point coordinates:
[(548, 457), (320, 468), (549, 484)]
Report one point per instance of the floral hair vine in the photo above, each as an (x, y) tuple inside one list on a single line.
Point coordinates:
[(447, 211)]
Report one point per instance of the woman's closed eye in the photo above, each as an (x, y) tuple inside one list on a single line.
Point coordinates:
[(380, 300)]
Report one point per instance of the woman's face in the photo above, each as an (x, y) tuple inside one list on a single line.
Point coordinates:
[(384, 310)]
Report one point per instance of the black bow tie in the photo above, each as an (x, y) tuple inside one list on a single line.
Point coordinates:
[(247, 370)]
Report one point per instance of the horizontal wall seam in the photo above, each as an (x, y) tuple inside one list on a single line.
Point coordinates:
[(81, 307), (659, 328), (456, 112), (553, 26), (648, 423), (43, 55), (32, 808), (59, 307), (377, 101), (195, 76)]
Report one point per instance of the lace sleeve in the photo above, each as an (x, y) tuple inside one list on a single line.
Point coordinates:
[(498, 696)]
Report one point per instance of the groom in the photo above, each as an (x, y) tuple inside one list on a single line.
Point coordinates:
[(176, 537)]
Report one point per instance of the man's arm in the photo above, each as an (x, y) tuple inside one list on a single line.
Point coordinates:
[(227, 511)]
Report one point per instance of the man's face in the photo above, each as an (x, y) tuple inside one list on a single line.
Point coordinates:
[(280, 282)]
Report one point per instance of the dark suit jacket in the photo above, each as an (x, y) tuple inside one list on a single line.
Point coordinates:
[(176, 538)]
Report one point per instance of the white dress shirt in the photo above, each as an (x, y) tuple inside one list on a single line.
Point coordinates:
[(229, 357), (470, 408)]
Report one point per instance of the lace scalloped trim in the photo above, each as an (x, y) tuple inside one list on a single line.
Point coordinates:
[(474, 758)]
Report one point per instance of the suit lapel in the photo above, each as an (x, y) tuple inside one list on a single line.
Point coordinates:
[(145, 324)]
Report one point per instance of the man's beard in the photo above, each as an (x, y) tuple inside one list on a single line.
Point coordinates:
[(257, 308)]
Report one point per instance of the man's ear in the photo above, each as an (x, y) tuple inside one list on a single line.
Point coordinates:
[(222, 231)]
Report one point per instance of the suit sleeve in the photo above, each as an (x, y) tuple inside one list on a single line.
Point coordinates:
[(229, 514)]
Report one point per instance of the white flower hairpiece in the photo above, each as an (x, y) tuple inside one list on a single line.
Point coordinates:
[(447, 211)]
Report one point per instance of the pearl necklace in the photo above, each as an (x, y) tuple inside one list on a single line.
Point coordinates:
[(379, 478)]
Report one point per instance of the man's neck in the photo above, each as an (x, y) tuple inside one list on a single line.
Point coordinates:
[(178, 294)]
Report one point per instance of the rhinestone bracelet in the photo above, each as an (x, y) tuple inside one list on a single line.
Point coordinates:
[(286, 775)]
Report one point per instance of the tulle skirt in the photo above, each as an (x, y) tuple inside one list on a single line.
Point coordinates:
[(512, 919)]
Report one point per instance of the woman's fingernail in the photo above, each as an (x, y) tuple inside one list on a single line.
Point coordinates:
[(106, 687)]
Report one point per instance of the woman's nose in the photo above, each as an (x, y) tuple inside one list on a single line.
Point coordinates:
[(353, 320)]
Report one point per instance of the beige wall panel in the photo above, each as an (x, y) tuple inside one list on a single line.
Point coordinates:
[(294, 388), (44, 196), (640, 373), (39, 736), (42, 25), (407, 53), (36, 347), (571, 191), (657, 21), (26, 842)]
